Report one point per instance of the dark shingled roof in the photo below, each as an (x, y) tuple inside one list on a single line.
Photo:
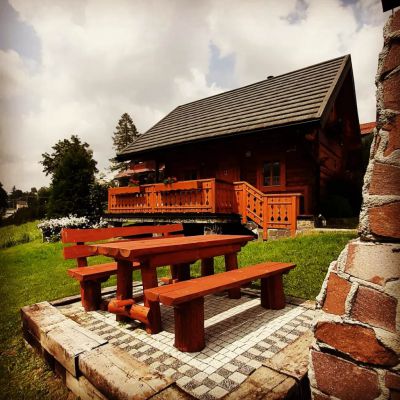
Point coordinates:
[(296, 97)]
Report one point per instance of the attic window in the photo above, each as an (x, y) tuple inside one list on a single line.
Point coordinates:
[(272, 173)]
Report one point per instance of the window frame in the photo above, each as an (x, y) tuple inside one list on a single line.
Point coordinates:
[(282, 174)]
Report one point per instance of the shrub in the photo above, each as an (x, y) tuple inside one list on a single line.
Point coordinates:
[(51, 228)]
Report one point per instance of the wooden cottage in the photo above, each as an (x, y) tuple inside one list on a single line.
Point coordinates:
[(278, 141)]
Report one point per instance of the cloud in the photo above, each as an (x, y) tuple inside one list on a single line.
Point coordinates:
[(98, 60)]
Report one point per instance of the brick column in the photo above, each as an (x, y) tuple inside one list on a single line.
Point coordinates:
[(357, 340)]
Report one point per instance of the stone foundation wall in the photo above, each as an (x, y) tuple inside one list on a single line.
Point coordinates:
[(357, 343)]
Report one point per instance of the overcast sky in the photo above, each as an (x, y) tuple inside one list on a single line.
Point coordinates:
[(74, 66)]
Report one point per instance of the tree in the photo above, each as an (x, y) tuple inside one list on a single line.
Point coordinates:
[(3, 200), (72, 168), (125, 134)]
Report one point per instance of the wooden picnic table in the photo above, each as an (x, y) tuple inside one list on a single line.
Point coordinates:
[(179, 252)]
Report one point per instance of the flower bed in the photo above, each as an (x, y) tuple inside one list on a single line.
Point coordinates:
[(51, 228)]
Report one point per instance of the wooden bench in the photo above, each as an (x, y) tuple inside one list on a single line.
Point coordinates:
[(187, 298), (90, 277)]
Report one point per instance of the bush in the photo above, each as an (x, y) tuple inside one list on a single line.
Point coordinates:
[(51, 228)]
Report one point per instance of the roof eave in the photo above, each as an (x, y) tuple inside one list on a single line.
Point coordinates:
[(140, 154), (327, 104)]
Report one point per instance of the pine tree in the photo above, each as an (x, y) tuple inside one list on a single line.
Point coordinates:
[(125, 134)]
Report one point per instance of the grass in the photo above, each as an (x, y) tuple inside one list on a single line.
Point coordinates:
[(12, 235), (35, 271)]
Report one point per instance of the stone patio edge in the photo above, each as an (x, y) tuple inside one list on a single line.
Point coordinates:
[(40, 319)]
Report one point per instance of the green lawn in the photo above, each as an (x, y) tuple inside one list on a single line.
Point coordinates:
[(35, 271), (12, 235)]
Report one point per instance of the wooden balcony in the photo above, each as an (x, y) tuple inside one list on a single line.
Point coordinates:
[(208, 196)]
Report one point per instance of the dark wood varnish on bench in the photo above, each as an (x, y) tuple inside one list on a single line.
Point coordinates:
[(187, 298), (91, 277)]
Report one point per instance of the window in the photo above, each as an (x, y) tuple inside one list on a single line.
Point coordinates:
[(272, 173)]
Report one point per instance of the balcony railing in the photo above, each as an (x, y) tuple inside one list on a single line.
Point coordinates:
[(208, 196)]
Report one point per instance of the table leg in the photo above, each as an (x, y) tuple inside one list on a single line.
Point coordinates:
[(149, 280), (231, 263), (183, 271), (174, 271), (124, 283), (207, 266)]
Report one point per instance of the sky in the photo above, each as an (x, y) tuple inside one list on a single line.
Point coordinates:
[(75, 66)]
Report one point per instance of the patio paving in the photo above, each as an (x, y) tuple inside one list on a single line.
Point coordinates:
[(241, 337)]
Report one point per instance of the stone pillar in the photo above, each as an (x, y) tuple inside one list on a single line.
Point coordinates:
[(357, 328)]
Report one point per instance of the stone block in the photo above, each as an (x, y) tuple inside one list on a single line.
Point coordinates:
[(357, 341), (260, 385), (384, 220), (394, 395), (393, 127), (319, 396), (368, 307), (393, 24), (172, 393), (343, 379), (336, 294), (392, 59), (293, 359), (118, 375), (67, 340), (392, 380), (391, 90), (376, 263), (82, 388), (39, 317), (275, 234), (385, 180)]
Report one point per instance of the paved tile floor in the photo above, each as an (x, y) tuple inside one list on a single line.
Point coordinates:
[(240, 336)]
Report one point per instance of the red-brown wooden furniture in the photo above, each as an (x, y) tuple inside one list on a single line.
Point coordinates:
[(90, 277), (150, 254), (187, 298)]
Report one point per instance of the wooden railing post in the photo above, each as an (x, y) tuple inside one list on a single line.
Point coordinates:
[(266, 217), (293, 214), (213, 196), (109, 204)]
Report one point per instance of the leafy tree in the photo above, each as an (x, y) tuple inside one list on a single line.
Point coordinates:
[(72, 168), (3, 200), (125, 134)]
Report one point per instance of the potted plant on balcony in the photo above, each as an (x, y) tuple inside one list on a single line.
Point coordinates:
[(134, 185), (171, 183)]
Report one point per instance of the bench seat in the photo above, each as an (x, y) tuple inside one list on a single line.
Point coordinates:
[(94, 272), (187, 298)]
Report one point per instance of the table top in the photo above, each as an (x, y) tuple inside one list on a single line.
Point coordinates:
[(135, 248)]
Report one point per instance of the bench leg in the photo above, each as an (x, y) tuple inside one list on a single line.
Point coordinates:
[(189, 326), (207, 266), (231, 263), (272, 295), (91, 295)]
